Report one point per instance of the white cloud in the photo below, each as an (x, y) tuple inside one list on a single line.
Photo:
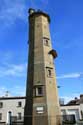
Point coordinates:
[(13, 70), (19, 91), (14, 91), (12, 10), (71, 75)]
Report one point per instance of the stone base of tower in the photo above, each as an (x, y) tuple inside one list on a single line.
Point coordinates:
[(55, 115), (55, 120), (42, 120)]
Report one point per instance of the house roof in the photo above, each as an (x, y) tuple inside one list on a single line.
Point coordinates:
[(9, 98), (73, 102)]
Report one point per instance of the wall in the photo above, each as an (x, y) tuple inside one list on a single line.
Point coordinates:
[(11, 105), (69, 110)]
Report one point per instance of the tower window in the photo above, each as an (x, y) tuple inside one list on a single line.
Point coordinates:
[(0, 116), (46, 41), (39, 91), (1, 104), (49, 71)]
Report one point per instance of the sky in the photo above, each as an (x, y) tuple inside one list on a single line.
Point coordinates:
[(66, 30)]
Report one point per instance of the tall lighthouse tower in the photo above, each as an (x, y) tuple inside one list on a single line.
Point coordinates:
[(42, 103)]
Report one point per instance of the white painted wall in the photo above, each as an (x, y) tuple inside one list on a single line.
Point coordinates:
[(11, 105), (71, 110)]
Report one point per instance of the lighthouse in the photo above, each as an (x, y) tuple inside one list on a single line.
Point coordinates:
[(42, 102)]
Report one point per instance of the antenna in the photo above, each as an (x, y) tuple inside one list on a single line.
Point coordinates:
[(7, 93)]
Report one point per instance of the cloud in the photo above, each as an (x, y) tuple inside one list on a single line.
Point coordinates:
[(71, 75), (13, 70), (12, 10), (14, 91), (18, 91)]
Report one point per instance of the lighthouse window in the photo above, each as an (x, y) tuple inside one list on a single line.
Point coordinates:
[(46, 41), (49, 71), (39, 91)]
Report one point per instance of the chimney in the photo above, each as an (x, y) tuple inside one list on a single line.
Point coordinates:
[(81, 99)]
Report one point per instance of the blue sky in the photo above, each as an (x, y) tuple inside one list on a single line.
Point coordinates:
[(67, 38)]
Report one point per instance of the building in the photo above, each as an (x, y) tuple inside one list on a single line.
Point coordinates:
[(42, 103), (13, 105), (71, 110), (73, 107), (16, 105)]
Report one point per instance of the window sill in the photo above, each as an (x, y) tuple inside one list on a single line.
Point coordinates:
[(38, 96), (50, 76), (19, 106)]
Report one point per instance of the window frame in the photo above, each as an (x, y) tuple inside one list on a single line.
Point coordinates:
[(1, 104), (20, 104), (46, 41), (39, 91), (0, 116), (49, 72), (19, 116)]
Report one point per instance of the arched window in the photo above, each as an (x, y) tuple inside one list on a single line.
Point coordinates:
[(46, 41), (49, 72)]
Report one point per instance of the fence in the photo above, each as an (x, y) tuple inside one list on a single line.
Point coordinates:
[(66, 120), (41, 120)]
